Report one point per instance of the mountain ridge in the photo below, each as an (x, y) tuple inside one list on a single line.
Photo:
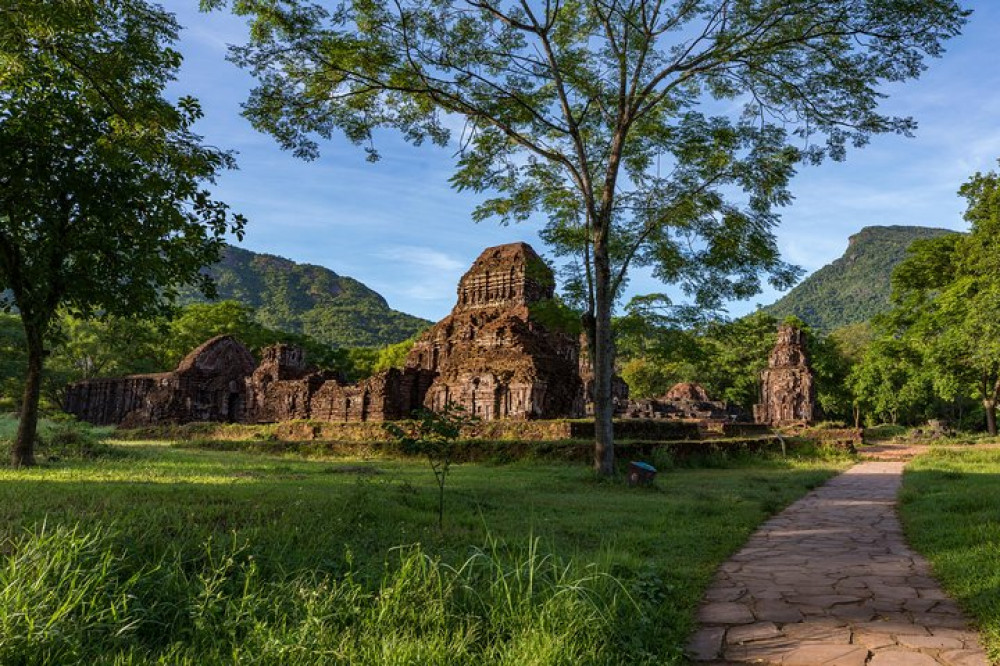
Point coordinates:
[(307, 298), (856, 286)]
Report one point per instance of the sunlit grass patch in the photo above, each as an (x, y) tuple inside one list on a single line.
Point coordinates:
[(301, 551), (950, 505)]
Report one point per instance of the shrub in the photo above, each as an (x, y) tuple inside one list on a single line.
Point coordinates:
[(69, 440)]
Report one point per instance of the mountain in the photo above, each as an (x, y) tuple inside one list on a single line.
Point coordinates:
[(854, 287), (302, 298)]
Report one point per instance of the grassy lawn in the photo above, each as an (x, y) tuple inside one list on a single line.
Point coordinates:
[(170, 555), (950, 505)]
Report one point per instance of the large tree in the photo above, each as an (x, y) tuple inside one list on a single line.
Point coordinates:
[(102, 204), (947, 297), (660, 133)]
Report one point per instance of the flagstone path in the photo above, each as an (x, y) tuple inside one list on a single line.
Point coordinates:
[(830, 580)]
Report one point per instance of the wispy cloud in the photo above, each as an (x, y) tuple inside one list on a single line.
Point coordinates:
[(423, 257)]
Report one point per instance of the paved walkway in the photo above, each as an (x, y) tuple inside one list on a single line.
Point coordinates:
[(831, 581)]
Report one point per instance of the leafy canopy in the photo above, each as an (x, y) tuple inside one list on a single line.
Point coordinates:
[(594, 112), (657, 133), (102, 206), (947, 296)]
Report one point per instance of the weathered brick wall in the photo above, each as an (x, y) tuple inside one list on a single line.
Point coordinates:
[(208, 385), (788, 393), (490, 356), (109, 401)]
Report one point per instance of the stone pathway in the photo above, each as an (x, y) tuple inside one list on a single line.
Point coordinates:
[(831, 581)]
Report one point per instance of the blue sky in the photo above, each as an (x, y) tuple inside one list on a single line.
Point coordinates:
[(397, 226)]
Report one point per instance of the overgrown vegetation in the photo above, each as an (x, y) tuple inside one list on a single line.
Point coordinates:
[(950, 505), (434, 435), (73, 596), (855, 287), (190, 556), (726, 357), (312, 301)]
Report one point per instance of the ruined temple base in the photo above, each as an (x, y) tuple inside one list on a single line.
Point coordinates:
[(640, 430)]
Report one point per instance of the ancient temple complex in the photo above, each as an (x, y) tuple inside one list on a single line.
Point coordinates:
[(788, 393), (490, 355)]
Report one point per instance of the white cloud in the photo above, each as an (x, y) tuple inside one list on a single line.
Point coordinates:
[(422, 257)]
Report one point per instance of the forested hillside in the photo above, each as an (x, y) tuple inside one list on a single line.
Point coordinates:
[(856, 286), (301, 298)]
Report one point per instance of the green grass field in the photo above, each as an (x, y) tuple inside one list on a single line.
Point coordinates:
[(950, 505), (157, 554)]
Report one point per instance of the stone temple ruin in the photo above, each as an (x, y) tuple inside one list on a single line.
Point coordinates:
[(208, 385), (788, 393), (686, 401), (490, 355)]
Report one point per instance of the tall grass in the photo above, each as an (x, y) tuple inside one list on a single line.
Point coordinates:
[(70, 596)]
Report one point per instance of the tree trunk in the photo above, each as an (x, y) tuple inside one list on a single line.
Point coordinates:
[(604, 364), (23, 452), (990, 406)]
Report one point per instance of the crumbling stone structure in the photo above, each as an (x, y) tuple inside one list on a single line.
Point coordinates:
[(685, 401), (491, 355), (787, 390), (584, 405), (208, 385), (284, 388)]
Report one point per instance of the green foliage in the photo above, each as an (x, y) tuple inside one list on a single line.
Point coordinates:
[(947, 298), (855, 287), (13, 360), (831, 367), (226, 557), (593, 114), (647, 378), (66, 593), (555, 315), (74, 441), (738, 353), (62, 439), (307, 300), (103, 206), (117, 346), (434, 435), (393, 356), (658, 346), (725, 357), (853, 339), (106, 190), (890, 383)]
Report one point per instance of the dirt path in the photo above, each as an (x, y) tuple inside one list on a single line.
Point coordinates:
[(831, 581)]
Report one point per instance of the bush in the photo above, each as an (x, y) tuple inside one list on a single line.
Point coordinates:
[(73, 441)]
